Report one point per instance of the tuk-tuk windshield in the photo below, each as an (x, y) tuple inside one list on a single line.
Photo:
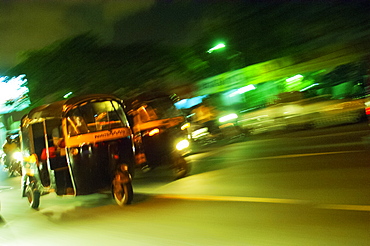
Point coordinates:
[(161, 108), (96, 116)]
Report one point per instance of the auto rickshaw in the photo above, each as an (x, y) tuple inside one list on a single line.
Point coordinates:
[(78, 146), (160, 133)]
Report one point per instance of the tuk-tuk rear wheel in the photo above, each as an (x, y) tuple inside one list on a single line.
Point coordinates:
[(123, 193), (33, 197)]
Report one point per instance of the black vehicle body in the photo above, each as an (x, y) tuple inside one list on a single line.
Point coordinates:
[(95, 151), (160, 133)]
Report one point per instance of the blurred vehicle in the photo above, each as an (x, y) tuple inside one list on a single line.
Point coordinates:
[(15, 166), (160, 133), (199, 134), (204, 125), (229, 126), (224, 127), (78, 146), (316, 112), (12, 156)]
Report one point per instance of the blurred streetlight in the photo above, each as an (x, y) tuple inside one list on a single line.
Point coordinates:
[(231, 59), (219, 46), (68, 94)]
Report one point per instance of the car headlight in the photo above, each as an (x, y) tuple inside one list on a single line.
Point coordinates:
[(18, 156), (183, 144)]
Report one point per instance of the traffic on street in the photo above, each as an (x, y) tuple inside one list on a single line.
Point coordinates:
[(184, 123), (299, 188)]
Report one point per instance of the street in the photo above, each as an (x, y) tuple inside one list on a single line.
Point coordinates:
[(299, 188)]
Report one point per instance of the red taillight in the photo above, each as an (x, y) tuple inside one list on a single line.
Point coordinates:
[(367, 110), (116, 157), (153, 132)]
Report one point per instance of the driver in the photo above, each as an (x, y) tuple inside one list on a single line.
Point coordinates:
[(9, 147)]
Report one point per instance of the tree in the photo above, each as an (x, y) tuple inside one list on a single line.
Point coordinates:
[(263, 30), (83, 64), (59, 68)]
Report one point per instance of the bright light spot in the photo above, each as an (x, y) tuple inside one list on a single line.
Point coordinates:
[(308, 87), (242, 90), (228, 117), (219, 46), (199, 133), (182, 144), (18, 156), (153, 132), (185, 126), (13, 94), (68, 94), (295, 78), (188, 103)]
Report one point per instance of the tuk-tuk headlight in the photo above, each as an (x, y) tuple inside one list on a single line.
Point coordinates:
[(18, 156), (183, 144)]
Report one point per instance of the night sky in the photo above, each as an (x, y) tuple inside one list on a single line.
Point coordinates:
[(33, 24), (26, 25)]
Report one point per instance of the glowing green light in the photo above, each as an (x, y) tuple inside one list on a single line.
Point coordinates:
[(219, 46), (242, 90), (294, 79), (308, 87), (68, 94)]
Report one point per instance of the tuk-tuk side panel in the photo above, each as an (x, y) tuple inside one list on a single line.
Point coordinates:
[(28, 163), (32, 144), (89, 169), (36, 140), (92, 165), (96, 137), (40, 136)]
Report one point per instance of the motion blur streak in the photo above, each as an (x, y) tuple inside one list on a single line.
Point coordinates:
[(291, 156), (345, 207), (309, 154), (267, 200), (234, 199)]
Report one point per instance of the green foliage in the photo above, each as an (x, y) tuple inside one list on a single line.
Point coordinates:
[(263, 30), (82, 64)]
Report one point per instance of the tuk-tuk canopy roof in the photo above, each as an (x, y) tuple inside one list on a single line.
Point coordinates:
[(145, 97), (60, 108)]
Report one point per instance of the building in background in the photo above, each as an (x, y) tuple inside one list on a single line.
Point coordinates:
[(338, 71), (13, 101)]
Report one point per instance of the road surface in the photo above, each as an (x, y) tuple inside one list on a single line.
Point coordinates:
[(301, 188)]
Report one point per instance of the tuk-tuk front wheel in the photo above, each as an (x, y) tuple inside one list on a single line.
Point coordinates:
[(122, 189), (33, 196), (181, 167)]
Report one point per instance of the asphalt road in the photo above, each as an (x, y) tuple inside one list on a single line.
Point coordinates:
[(299, 188)]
